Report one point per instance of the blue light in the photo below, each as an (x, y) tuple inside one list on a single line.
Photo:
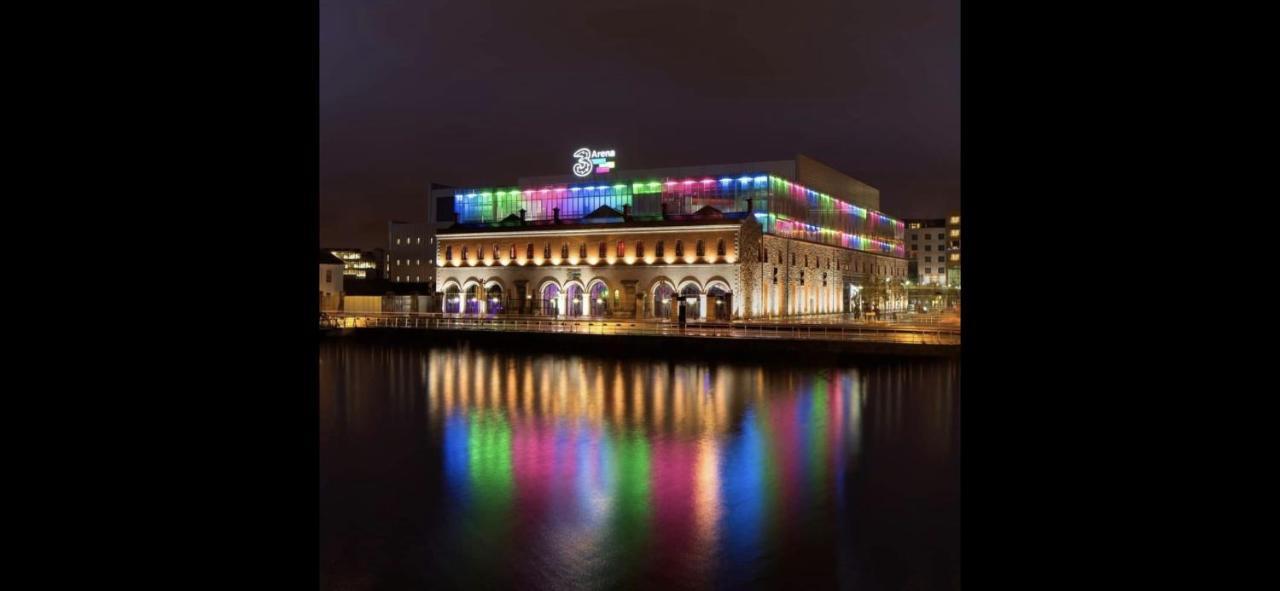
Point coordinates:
[(744, 179), (576, 189), (725, 181), (761, 179)]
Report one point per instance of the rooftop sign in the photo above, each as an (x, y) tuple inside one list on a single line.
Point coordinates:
[(597, 161)]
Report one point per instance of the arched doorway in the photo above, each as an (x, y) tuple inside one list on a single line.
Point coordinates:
[(574, 302), (719, 302), (474, 299), (598, 298), (496, 304), (663, 298), (550, 297), (452, 299), (690, 295)]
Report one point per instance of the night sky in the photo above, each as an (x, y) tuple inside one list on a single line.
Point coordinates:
[(482, 91)]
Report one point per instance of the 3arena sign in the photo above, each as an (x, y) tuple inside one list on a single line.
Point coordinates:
[(597, 161)]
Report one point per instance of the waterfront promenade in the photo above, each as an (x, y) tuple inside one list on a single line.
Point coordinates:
[(936, 332)]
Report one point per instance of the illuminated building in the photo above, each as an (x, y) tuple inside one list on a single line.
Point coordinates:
[(358, 264), (776, 238), (953, 249)]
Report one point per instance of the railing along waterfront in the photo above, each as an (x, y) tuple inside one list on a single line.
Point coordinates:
[(842, 331)]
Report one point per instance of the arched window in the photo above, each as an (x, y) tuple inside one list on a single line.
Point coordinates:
[(775, 275), (448, 253), (802, 277), (603, 248), (658, 251), (465, 256), (640, 249), (679, 248), (564, 250), (720, 248), (496, 252), (582, 250), (513, 251), (622, 248), (793, 259), (824, 279), (528, 252), (698, 249), (546, 251)]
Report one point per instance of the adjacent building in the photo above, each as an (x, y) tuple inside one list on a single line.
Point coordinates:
[(927, 248), (762, 239), (330, 281), (953, 249), (410, 253)]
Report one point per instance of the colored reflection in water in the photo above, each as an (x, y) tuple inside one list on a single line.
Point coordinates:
[(461, 467)]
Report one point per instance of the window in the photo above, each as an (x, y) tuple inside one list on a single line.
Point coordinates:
[(465, 258), (640, 249), (915, 246), (417, 261), (495, 252), (448, 253), (928, 236), (582, 250), (824, 279), (564, 250), (528, 252), (955, 233), (955, 256), (793, 259), (417, 278), (622, 249), (328, 275), (915, 236), (699, 250), (720, 248), (928, 259), (930, 269), (806, 260), (419, 240), (955, 219), (658, 251), (602, 250), (397, 262), (679, 248), (775, 275), (928, 247), (397, 242), (512, 254), (802, 277), (765, 254), (546, 251)]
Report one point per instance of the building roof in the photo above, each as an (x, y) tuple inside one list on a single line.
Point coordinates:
[(327, 258)]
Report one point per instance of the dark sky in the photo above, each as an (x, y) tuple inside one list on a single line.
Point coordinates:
[(482, 91)]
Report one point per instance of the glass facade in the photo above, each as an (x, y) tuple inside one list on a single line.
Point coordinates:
[(782, 207)]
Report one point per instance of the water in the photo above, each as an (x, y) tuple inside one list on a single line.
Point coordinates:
[(457, 467)]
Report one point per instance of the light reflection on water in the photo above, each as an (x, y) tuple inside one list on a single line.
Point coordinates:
[(465, 467)]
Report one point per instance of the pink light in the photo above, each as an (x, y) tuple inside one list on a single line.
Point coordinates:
[(669, 183), (708, 181), (688, 182)]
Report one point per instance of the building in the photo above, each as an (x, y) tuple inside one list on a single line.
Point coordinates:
[(778, 238), (330, 281), (409, 257), (358, 264), (927, 249), (953, 249)]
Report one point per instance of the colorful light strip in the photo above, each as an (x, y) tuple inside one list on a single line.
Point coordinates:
[(800, 211)]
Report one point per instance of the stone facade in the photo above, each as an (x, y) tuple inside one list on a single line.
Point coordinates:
[(645, 271)]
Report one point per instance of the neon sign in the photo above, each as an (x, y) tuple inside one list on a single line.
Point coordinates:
[(599, 161)]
